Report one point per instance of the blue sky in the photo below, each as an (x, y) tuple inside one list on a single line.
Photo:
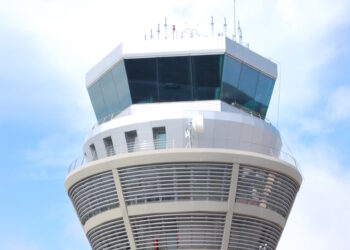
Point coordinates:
[(46, 47)]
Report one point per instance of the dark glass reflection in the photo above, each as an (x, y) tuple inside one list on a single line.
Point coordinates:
[(246, 86), (168, 79), (207, 72), (230, 78), (142, 76), (174, 79)]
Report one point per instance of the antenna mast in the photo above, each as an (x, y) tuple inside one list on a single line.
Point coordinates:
[(225, 26), (165, 26), (173, 32), (158, 30), (240, 33), (234, 19)]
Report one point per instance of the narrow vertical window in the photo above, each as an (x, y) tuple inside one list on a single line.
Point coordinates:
[(159, 138), (131, 139), (93, 152), (109, 146)]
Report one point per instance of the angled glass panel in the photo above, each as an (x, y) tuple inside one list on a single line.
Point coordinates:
[(264, 89), (142, 78), (248, 81), (123, 93), (206, 71), (174, 79), (230, 78), (97, 101), (247, 88), (263, 93), (109, 91)]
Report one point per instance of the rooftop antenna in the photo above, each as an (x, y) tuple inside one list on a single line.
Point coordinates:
[(240, 33), (173, 32), (212, 26), (234, 19), (151, 36), (225, 26), (158, 30), (165, 27)]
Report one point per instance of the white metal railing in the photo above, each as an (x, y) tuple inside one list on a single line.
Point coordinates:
[(176, 143), (77, 163)]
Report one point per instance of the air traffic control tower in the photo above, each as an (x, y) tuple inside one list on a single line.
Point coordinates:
[(182, 156)]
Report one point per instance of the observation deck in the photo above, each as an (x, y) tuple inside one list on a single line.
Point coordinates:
[(181, 70)]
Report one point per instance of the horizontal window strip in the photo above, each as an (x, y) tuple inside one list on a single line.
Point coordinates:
[(253, 233), (178, 231), (266, 189), (170, 182), (93, 195)]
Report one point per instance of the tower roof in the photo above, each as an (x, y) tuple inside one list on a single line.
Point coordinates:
[(181, 47)]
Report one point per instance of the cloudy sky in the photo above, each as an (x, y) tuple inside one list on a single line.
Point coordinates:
[(47, 46)]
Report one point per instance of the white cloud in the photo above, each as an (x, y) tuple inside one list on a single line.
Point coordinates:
[(73, 236), (338, 107), (50, 157), (17, 243), (320, 218)]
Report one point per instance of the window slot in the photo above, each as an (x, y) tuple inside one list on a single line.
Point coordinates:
[(109, 146), (131, 140), (159, 138), (93, 152)]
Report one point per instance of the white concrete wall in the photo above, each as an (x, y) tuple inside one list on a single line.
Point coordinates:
[(231, 129)]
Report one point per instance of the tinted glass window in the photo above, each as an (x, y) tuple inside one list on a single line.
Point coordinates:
[(230, 78), (207, 72), (248, 81), (109, 91), (263, 93), (97, 101), (142, 76), (180, 79), (110, 95), (247, 88), (123, 92), (264, 89), (232, 70), (174, 79)]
